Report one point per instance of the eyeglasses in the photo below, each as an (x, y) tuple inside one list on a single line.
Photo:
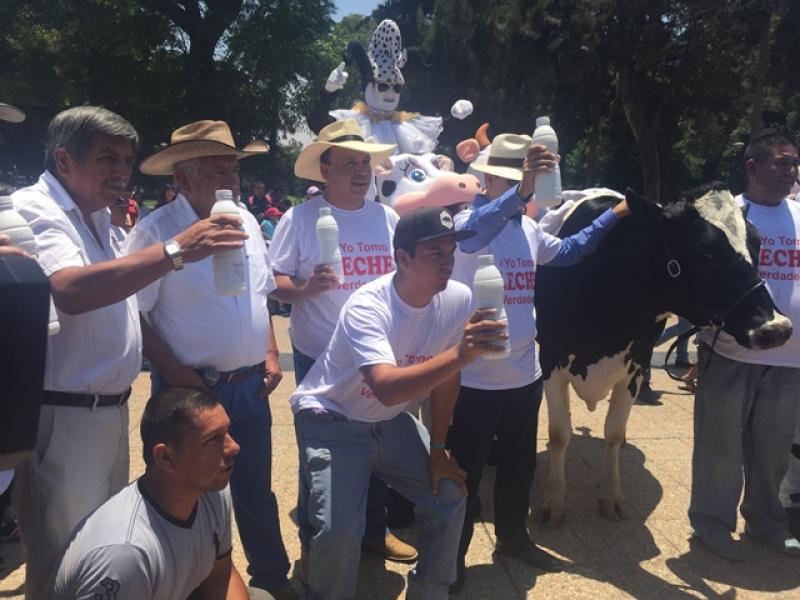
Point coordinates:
[(384, 87)]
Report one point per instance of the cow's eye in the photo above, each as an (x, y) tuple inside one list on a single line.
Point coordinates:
[(417, 175)]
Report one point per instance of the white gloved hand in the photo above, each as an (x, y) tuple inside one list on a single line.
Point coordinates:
[(336, 79), (461, 109)]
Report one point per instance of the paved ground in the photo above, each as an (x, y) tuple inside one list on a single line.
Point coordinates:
[(646, 556)]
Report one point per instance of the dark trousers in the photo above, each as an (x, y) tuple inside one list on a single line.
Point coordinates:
[(376, 528), (513, 416)]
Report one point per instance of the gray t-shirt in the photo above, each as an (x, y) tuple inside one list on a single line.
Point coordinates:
[(130, 549)]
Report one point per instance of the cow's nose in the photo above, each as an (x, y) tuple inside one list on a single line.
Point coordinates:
[(772, 334)]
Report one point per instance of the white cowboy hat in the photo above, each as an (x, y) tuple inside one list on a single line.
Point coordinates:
[(201, 138), (11, 113), (339, 134), (506, 156)]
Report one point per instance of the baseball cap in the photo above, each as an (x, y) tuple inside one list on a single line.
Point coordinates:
[(273, 213), (424, 225)]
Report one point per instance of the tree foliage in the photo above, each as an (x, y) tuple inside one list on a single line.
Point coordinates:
[(654, 94)]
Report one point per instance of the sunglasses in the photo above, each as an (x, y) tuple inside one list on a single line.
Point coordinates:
[(384, 87)]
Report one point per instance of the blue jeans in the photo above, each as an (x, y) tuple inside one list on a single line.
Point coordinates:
[(254, 504), (397, 451), (376, 528)]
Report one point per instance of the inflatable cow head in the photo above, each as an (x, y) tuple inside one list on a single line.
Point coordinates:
[(407, 182)]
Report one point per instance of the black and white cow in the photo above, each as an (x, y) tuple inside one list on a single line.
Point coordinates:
[(596, 321)]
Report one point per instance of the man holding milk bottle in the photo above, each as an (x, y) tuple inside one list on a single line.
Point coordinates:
[(206, 325), (324, 250), (501, 392)]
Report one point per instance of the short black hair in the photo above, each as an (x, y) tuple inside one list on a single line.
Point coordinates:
[(168, 415), (760, 147)]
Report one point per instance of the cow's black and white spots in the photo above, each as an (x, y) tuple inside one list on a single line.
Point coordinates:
[(386, 54), (598, 320)]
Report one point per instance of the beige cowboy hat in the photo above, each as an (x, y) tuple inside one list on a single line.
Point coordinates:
[(201, 138), (505, 158), (339, 134), (11, 113)]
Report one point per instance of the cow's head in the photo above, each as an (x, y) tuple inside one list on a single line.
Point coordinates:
[(413, 175), (709, 252)]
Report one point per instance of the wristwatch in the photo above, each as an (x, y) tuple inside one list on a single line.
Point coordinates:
[(173, 250)]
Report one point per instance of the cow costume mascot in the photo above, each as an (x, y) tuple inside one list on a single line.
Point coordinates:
[(377, 114)]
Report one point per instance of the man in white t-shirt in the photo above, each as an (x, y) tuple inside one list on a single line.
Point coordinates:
[(398, 339), (343, 160), (196, 337), (167, 534), (81, 455), (501, 397), (746, 400)]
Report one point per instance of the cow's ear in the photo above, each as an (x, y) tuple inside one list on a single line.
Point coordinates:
[(642, 207), (383, 168)]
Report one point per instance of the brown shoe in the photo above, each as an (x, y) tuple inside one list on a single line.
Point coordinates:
[(391, 548)]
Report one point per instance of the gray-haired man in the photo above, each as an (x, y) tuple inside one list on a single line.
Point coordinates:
[(81, 454)]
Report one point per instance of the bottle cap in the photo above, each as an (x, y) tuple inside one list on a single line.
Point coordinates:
[(485, 260), (324, 211), (542, 121), (223, 195)]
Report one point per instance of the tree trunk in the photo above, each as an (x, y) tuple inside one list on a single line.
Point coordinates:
[(760, 74), (641, 126)]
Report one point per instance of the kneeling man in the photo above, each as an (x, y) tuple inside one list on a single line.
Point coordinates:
[(167, 535), (399, 338)]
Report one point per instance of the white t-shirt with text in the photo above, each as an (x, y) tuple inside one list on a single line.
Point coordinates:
[(365, 241), (517, 249), (779, 267), (377, 327)]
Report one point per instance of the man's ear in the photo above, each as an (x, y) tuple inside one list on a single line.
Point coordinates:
[(163, 457), (182, 180), (63, 161), (401, 257), (642, 207)]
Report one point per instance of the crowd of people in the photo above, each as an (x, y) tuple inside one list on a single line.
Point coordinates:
[(393, 387)]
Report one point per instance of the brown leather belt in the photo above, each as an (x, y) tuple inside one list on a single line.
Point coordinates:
[(212, 377), (84, 400)]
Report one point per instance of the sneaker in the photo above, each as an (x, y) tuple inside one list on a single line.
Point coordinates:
[(529, 553), (721, 544), (780, 541), (391, 548)]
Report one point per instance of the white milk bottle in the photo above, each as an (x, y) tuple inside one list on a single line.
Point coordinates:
[(230, 271), (16, 227), (489, 291), (547, 187), (328, 241)]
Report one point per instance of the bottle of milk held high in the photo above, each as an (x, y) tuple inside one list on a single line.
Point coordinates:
[(16, 227), (489, 292), (547, 187), (230, 270), (328, 241)]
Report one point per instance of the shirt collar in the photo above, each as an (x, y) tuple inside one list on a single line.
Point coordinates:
[(101, 217), (58, 192), (184, 211)]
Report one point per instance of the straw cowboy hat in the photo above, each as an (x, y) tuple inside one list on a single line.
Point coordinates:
[(11, 113), (201, 138), (505, 159), (339, 134)]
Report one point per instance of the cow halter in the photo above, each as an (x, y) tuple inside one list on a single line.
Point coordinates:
[(714, 320)]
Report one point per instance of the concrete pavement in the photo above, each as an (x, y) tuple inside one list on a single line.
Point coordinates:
[(648, 555)]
